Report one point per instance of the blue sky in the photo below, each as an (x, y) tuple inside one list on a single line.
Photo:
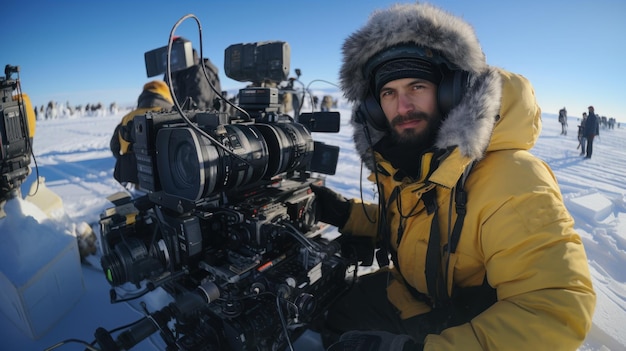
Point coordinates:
[(573, 52)]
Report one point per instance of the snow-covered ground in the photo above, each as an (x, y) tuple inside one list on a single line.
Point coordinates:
[(73, 156)]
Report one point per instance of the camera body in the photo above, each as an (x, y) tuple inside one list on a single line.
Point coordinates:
[(228, 226), (15, 135)]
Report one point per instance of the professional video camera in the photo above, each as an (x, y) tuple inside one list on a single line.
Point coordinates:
[(228, 226), (15, 149)]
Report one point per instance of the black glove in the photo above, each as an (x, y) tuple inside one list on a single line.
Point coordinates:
[(375, 341), (330, 207)]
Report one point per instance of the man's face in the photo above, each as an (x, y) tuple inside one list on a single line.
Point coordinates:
[(410, 105)]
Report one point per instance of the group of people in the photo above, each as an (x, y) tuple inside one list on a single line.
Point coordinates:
[(476, 247)]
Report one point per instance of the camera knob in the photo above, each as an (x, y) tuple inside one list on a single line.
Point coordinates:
[(291, 282), (283, 291), (232, 309), (257, 288), (306, 304)]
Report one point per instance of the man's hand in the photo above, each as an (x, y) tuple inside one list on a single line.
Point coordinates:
[(330, 207)]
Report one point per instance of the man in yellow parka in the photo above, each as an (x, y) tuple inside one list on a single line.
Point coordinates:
[(484, 252), (155, 96)]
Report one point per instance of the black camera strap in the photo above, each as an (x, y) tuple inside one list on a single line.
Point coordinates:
[(434, 277)]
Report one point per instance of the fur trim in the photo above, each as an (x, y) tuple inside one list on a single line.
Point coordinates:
[(469, 124), (422, 24)]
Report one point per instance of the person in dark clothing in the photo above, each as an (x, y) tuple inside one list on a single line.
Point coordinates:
[(192, 89), (591, 130), (563, 120)]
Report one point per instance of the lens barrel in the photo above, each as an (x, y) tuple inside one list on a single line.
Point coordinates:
[(192, 167)]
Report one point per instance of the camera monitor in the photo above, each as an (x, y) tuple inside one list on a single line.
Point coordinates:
[(181, 58)]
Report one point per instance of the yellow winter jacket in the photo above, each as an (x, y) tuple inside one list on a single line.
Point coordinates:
[(155, 96), (517, 233)]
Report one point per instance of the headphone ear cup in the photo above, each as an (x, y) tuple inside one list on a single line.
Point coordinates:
[(451, 90), (373, 114)]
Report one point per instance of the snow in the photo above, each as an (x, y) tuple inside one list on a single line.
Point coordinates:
[(73, 156)]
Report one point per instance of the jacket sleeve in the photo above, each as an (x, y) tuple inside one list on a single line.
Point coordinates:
[(114, 144), (363, 220), (537, 263)]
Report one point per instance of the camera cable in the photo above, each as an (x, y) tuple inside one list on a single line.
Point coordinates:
[(175, 99)]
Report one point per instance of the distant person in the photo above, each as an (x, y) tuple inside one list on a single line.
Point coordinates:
[(155, 96), (582, 139), (563, 120), (295, 98), (611, 123), (592, 128), (327, 103), (285, 99)]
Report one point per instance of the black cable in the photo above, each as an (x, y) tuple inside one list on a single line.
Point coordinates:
[(21, 106), (307, 90), (175, 99), (283, 323), (381, 204), (115, 330), (67, 341)]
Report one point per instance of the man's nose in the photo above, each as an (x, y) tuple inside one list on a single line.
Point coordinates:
[(405, 104)]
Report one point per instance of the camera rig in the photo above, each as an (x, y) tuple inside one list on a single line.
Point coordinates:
[(228, 226), (246, 275), (15, 135)]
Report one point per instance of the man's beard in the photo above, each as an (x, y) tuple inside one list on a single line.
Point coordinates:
[(413, 138)]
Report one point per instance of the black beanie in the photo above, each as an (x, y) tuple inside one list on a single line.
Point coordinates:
[(406, 68)]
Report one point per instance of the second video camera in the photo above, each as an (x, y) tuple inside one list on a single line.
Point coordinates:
[(17, 129)]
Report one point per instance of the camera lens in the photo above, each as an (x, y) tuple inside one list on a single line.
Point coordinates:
[(252, 155), (185, 165), (130, 262), (113, 269), (191, 167), (290, 146)]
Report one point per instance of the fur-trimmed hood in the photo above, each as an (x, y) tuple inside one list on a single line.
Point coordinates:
[(469, 125)]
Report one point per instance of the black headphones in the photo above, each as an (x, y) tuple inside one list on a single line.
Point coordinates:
[(449, 91)]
